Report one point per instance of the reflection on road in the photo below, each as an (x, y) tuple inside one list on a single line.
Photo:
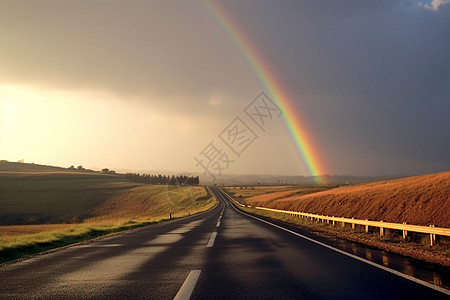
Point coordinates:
[(437, 275)]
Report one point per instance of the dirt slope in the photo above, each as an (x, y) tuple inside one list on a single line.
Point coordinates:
[(421, 200)]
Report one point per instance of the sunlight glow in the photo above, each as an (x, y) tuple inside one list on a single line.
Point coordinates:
[(66, 127)]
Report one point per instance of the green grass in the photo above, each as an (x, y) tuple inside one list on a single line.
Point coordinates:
[(34, 243)]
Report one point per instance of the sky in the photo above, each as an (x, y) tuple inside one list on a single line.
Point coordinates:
[(163, 85)]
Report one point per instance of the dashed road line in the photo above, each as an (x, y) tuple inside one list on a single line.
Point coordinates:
[(212, 239), (187, 288)]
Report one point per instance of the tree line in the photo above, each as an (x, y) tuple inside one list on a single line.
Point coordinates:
[(163, 179)]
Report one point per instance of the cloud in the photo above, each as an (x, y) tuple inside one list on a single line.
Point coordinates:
[(434, 5), (147, 50), (215, 100)]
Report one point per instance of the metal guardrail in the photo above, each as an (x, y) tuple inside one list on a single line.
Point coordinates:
[(405, 228)]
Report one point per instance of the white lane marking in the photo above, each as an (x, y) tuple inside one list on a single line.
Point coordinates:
[(187, 288), (218, 223), (416, 280), (212, 239)]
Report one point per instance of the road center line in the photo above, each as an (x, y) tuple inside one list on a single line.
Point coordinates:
[(411, 278), (218, 223), (187, 288), (212, 239)]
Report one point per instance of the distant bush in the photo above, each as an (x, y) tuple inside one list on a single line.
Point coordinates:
[(163, 179)]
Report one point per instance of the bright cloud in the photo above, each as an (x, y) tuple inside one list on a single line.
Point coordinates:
[(434, 4)]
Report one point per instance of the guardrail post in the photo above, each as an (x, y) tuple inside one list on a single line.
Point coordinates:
[(432, 238), (381, 230), (343, 224), (367, 227), (334, 222), (405, 232), (353, 224)]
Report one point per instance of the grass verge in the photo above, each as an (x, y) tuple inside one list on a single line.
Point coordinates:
[(15, 247)]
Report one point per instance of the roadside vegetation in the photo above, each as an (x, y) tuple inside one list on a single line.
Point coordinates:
[(19, 242)]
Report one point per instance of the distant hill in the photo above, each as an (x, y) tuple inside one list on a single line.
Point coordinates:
[(6, 166), (421, 200), (15, 170)]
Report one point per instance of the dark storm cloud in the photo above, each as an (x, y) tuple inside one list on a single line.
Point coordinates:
[(370, 78), (134, 47)]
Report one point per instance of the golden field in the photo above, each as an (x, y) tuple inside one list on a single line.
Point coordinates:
[(420, 200)]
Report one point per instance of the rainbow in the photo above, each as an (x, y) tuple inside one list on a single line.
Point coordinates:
[(303, 143)]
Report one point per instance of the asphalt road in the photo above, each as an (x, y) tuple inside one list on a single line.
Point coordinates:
[(220, 254)]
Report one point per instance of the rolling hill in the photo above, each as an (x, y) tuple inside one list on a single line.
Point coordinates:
[(421, 200), (37, 194)]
